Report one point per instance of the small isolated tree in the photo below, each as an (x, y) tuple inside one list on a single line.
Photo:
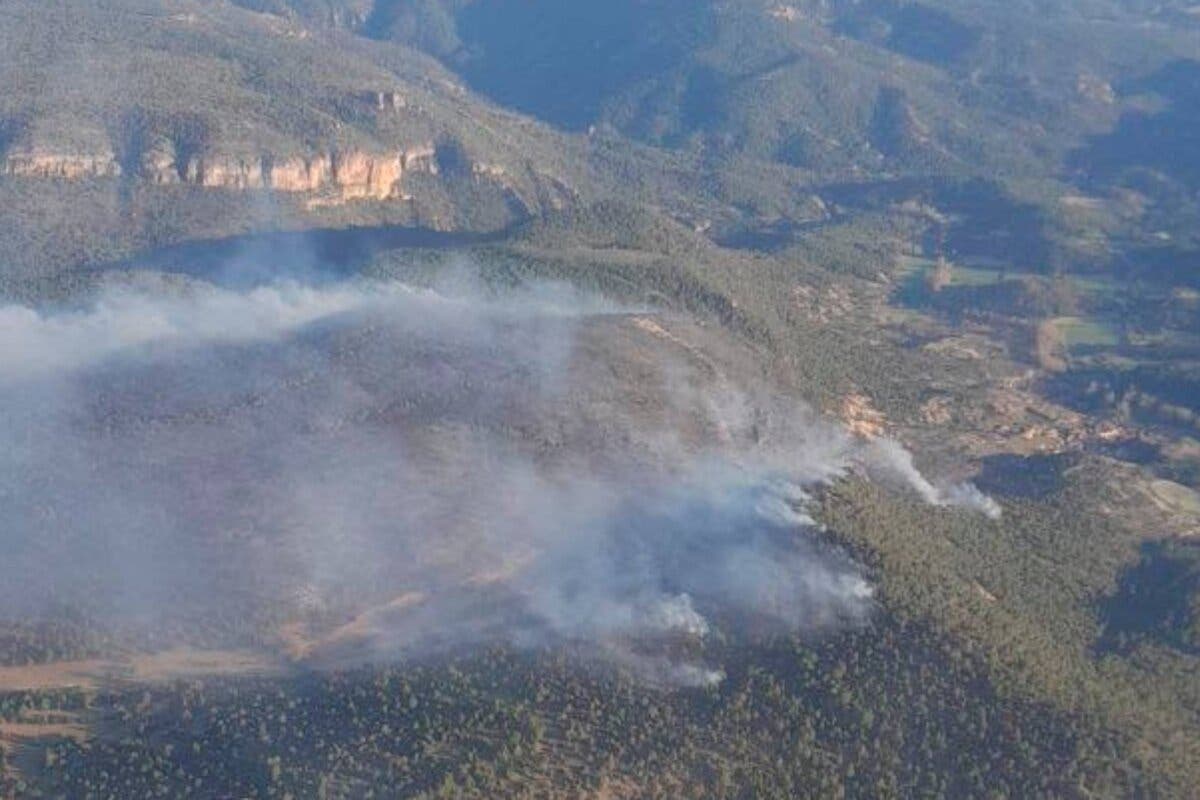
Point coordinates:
[(1049, 347), (448, 787)]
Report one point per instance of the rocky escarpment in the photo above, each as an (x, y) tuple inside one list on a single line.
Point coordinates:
[(72, 166), (334, 177)]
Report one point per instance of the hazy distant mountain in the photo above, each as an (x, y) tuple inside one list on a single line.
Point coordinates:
[(987, 86)]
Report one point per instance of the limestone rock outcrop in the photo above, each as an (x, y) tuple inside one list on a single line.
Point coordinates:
[(339, 176), (299, 173), (49, 164)]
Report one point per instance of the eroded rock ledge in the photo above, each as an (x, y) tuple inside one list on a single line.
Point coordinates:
[(338, 176)]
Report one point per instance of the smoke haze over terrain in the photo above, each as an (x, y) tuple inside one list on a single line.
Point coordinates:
[(467, 466)]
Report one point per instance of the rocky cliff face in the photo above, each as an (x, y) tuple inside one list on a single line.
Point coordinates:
[(71, 166), (337, 177)]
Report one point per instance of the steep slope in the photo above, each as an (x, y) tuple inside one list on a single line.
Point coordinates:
[(146, 122)]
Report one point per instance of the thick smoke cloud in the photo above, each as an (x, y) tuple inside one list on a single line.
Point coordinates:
[(365, 471)]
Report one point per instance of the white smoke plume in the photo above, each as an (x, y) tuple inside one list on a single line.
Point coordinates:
[(888, 458), (362, 471)]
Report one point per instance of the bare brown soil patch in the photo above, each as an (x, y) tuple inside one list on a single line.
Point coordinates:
[(168, 665)]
